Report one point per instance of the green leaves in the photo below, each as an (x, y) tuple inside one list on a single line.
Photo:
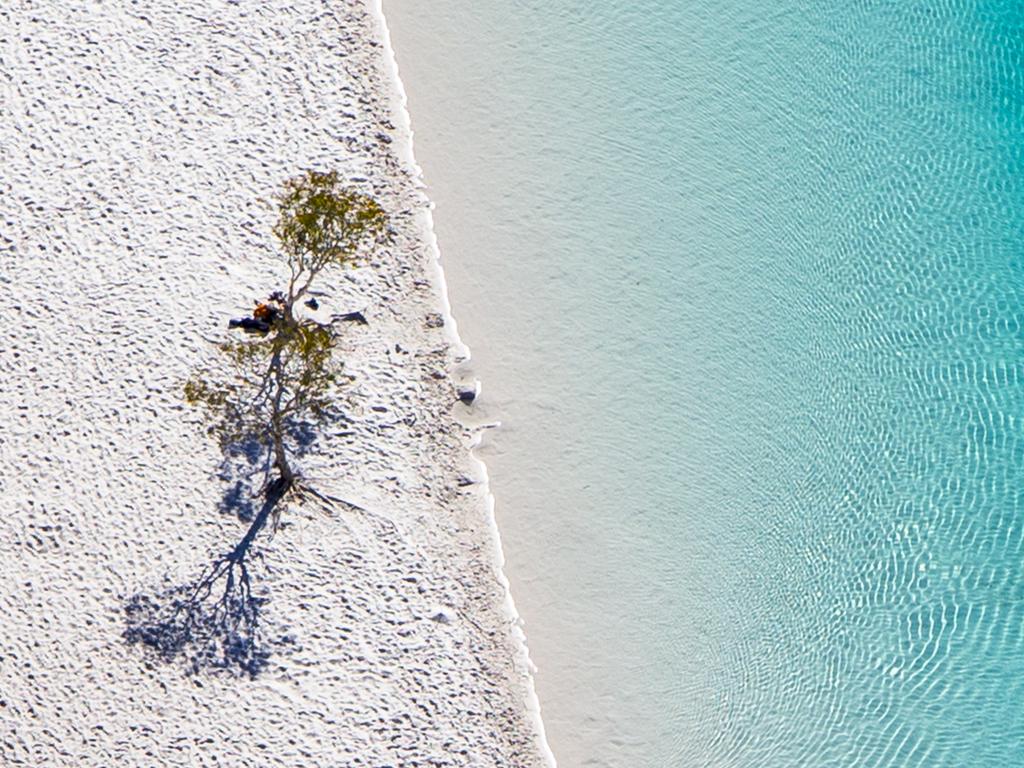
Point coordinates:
[(289, 376), (286, 378), (323, 222)]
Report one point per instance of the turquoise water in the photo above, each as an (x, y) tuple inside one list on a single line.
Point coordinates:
[(744, 284)]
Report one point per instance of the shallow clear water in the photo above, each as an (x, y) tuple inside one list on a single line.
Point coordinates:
[(744, 284)]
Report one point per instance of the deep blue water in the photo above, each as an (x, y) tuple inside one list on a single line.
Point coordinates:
[(744, 283)]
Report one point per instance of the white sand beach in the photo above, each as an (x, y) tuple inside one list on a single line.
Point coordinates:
[(141, 146)]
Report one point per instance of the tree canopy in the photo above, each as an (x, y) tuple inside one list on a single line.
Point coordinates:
[(321, 222), (287, 377)]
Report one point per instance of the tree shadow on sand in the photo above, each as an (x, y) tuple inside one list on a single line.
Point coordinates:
[(214, 622), (244, 465)]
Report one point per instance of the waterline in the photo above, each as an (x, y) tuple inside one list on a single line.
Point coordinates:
[(461, 351)]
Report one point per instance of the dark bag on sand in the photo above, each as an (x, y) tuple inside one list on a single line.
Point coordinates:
[(249, 324)]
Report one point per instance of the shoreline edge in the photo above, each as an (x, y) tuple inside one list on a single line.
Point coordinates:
[(405, 150)]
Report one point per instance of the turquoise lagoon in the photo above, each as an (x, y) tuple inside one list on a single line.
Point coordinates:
[(743, 282)]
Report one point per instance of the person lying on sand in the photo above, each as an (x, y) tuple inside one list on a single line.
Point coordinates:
[(263, 316)]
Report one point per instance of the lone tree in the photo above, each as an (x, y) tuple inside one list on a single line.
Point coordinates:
[(281, 386)]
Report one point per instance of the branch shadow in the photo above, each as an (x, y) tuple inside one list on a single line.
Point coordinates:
[(246, 466), (213, 623), (243, 469)]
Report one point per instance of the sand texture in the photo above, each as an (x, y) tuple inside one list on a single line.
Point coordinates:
[(139, 145)]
